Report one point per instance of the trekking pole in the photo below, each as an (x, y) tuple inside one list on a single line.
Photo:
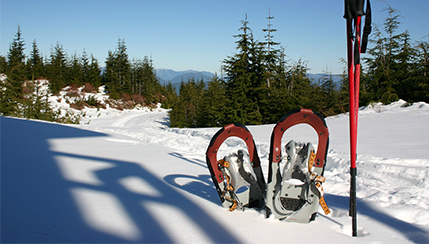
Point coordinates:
[(353, 12)]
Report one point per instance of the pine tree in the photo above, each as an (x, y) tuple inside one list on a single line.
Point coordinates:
[(35, 63), (117, 76), (109, 76), (3, 64), (85, 66), (185, 112), (93, 75), (58, 69), (214, 104), (416, 85), (170, 94), (384, 61), (242, 72), (11, 90), (300, 86), (74, 74), (123, 68), (271, 57)]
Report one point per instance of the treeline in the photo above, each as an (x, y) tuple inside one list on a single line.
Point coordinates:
[(260, 85), (124, 78), (397, 67)]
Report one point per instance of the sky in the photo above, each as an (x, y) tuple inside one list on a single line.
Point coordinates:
[(194, 35)]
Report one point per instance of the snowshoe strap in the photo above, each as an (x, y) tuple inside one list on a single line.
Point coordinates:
[(322, 199), (228, 188), (319, 180), (223, 163)]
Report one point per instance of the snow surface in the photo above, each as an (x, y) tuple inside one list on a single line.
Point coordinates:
[(126, 176)]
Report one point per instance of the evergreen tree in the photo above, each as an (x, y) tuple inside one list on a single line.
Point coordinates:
[(279, 95), (35, 63), (416, 85), (271, 57), (300, 88), (144, 81), (16, 56), (85, 66), (74, 74), (185, 112), (327, 99), (58, 69), (214, 104), (384, 61), (93, 75), (11, 89), (117, 76), (242, 72), (170, 94), (109, 76), (3, 64)]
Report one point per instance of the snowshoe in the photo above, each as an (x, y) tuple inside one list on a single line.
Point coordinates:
[(294, 188), (237, 177)]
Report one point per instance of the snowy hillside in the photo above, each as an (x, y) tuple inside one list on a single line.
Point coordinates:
[(126, 176)]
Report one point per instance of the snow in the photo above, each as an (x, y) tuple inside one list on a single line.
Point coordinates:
[(126, 176)]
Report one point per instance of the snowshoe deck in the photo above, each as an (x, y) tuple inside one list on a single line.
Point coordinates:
[(237, 177), (294, 191)]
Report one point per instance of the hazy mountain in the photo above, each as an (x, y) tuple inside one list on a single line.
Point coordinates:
[(165, 75), (176, 77), (316, 77)]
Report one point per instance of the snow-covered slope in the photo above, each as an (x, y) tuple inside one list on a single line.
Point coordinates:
[(126, 176)]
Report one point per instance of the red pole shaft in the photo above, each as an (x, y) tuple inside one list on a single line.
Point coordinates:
[(352, 94), (357, 77), (354, 80)]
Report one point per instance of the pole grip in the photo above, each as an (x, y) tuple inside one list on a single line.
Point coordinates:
[(347, 10), (359, 8)]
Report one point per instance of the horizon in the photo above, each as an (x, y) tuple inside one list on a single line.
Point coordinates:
[(193, 35)]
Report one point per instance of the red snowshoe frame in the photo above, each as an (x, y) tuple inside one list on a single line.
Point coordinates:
[(256, 192), (260, 193), (310, 195), (302, 116)]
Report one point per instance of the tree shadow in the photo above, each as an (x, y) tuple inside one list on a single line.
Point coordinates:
[(39, 204), (193, 161), (200, 185), (412, 232)]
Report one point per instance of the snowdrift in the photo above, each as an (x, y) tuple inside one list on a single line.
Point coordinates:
[(126, 176)]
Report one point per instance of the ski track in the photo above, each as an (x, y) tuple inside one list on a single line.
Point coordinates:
[(384, 182), (395, 186), (375, 174)]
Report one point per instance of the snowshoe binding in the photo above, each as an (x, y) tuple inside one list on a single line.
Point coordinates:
[(294, 188), (238, 176)]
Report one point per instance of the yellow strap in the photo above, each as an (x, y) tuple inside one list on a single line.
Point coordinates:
[(223, 163), (322, 199), (324, 205), (311, 160), (318, 179), (228, 186)]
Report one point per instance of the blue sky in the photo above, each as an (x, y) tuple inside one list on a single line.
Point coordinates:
[(198, 35)]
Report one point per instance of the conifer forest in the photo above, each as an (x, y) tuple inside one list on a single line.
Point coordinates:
[(257, 84)]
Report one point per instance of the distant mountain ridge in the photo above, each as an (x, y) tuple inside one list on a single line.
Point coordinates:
[(319, 76), (166, 75), (176, 77)]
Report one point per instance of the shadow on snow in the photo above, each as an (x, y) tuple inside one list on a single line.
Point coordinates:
[(37, 204), (202, 185), (412, 232)]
